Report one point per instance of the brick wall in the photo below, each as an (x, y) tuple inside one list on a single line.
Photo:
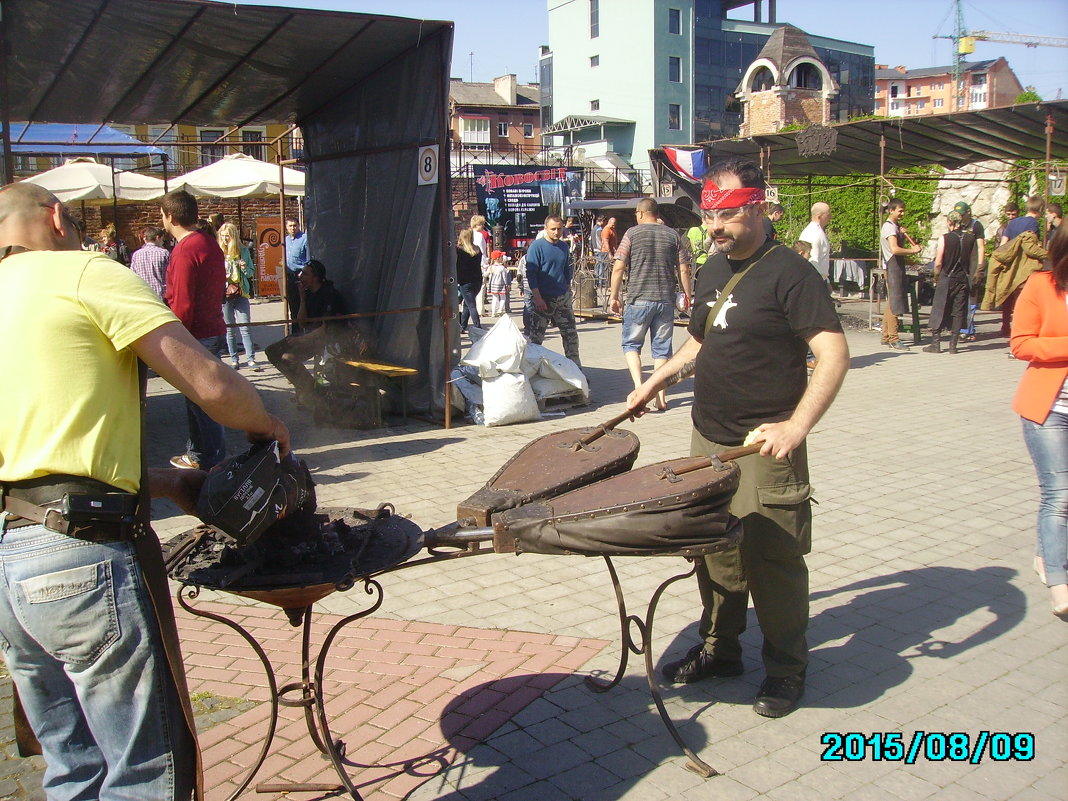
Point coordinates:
[(763, 114), (130, 218)]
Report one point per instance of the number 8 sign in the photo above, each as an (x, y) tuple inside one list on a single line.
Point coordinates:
[(427, 170)]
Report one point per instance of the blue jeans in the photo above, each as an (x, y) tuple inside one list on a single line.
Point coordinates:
[(645, 316), (85, 653), (1048, 445), (469, 294), (207, 441), (238, 311)]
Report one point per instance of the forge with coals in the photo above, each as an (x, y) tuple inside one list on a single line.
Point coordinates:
[(572, 493)]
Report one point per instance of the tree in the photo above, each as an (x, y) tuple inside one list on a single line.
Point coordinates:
[(1029, 95)]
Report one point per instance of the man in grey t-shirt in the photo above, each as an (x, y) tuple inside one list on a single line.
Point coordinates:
[(651, 252)]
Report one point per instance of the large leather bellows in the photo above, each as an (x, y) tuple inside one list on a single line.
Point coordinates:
[(549, 465), (644, 512)]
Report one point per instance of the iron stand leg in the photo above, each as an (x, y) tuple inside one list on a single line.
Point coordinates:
[(310, 692), (643, 647)]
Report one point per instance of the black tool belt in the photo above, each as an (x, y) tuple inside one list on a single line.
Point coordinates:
[(78, 507)]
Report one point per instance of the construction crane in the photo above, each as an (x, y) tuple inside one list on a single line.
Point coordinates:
[(1025, 39), (964, 44)]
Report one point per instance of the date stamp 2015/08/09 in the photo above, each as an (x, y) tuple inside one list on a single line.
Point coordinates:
[(932, 746)]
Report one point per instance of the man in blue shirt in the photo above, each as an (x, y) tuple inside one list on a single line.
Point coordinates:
[(1029, 222), (296, 257), (549, 289)]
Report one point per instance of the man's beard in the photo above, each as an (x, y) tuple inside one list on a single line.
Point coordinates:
[(724, 247)]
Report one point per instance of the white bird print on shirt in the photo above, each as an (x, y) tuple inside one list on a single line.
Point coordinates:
[(721, 318)]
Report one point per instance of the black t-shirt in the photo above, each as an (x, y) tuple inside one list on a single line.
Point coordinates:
[(751, 368), (326, 301)]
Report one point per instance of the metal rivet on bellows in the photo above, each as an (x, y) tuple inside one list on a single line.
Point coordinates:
[(641, 506)]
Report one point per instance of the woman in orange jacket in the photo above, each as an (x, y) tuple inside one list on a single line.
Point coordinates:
[(1040, 337)]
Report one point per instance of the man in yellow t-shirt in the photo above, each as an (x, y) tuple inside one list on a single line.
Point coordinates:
[(83, 648)]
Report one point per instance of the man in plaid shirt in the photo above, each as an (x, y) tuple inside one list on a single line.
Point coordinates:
[(150, 262)]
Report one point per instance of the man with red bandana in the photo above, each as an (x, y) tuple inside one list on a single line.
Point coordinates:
[(751, 379)]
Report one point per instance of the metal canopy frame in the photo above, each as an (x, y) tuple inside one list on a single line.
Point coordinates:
[(949, 140)]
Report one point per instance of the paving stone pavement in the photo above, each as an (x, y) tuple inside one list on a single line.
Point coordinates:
[(926, 616)]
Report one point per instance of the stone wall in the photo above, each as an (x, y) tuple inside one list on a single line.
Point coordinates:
[(986, 198)]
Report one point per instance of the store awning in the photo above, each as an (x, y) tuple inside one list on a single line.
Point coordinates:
[(948, 140)]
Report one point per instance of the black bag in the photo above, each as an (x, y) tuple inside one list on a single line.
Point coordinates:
[(246, 494)]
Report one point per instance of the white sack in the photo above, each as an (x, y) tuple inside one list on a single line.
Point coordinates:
[(501, 350), (508, 399), (554, 373)]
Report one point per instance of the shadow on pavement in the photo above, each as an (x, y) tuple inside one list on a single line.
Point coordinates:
[(890, 621), (523, 760)]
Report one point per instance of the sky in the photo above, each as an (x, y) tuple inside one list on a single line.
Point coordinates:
[(497, 37)]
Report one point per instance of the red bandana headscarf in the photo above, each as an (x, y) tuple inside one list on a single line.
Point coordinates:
[(712, 197)]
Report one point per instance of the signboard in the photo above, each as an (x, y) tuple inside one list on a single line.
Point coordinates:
[(270, 247), (517, 199), (1056, 183), (428, 165), (771, 194)]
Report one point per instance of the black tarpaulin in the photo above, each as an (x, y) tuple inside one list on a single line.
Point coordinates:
[(368, 91)]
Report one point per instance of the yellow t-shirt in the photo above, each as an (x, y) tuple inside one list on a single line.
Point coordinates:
[(68, 392)]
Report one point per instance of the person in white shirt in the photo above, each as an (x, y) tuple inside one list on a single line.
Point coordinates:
[(815, 233)]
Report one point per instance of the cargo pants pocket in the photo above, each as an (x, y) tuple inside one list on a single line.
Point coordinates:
[(787, 509)]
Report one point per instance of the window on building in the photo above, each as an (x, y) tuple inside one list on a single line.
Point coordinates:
[(939, 103), (806, 76), (922, 104), (595, 61), (762, 80), (595, 105), (474, 132), (674, 20), (502, 129), (528, 130), (122, 162), (254, 147), (166, 144), (595, 19), (674, 69), (210, 153), (893, 90), (979, 79), (674, 117)]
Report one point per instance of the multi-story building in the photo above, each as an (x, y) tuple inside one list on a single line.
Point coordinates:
[(187, 147), (498, 120), (901, 92), (622, 76)]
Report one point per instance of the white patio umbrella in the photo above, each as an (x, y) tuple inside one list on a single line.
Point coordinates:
[(239, 175), (86, 179)]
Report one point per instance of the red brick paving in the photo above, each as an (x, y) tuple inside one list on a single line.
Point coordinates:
[(385, 693)]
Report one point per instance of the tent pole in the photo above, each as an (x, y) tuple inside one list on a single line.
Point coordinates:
[(114, 197), (1049, 145), (444, 207), (283, 279)]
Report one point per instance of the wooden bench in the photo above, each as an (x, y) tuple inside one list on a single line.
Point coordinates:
[(386, 370)]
